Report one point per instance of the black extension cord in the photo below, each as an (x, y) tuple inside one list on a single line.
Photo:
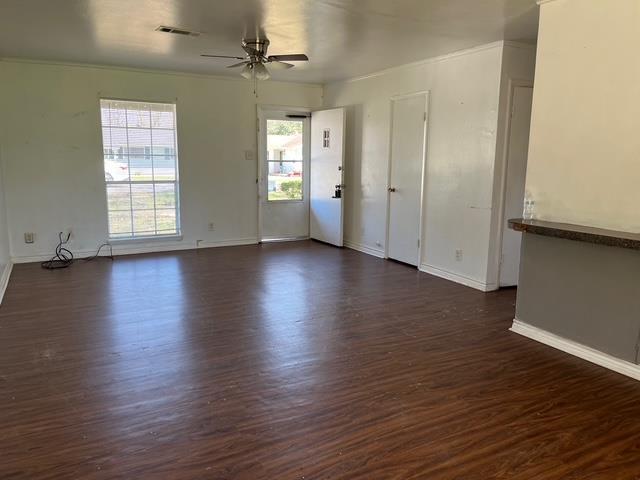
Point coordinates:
[(64, 258)]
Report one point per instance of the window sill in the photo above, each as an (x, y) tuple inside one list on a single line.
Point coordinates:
[(133, 240)]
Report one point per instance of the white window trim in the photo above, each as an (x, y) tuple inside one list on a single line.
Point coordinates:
[(144, 238)]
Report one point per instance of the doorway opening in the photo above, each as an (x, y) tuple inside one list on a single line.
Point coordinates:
[(521, 95), (300, 174), (283, 177)]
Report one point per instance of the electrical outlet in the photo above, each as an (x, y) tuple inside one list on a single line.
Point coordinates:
[(29, 237), (211, 226), (459, 255)]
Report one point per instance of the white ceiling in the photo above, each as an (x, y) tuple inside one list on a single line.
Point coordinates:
[(343, 38)]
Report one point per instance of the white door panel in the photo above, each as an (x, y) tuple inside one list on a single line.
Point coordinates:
[(326, 171), (515, 185), (406, 177)]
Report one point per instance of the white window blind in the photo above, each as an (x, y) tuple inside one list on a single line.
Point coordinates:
[(140, 168)]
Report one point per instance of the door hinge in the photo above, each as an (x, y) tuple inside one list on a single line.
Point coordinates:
[(418, 243), (425, 116)]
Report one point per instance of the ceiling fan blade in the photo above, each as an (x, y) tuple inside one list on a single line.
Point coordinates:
[(237, 64), (295, 57), (280, 65), (221, 56)]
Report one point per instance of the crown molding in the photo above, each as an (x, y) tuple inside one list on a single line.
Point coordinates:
[(152, 71), (542, 2), (427, 61)]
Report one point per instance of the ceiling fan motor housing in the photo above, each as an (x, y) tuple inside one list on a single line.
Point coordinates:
[(256, 47)]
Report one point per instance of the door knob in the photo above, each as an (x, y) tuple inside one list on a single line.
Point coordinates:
[(392, 189)]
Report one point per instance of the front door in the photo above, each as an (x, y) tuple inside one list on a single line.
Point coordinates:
[(327, 160), (283, 176)]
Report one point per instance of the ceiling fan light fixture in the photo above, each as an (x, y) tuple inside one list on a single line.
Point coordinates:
[(247, 72), (261, 72)]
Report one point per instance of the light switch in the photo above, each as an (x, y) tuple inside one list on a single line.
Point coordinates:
[(248, 155)]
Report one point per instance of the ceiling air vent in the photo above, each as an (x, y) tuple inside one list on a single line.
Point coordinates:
[(176, 31)]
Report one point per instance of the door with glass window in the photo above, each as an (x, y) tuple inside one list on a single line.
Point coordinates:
[(283, 177)]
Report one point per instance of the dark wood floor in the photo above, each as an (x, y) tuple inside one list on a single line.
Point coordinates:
[(292, 361)]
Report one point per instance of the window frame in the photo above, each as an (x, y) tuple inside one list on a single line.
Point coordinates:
[(175, 182)]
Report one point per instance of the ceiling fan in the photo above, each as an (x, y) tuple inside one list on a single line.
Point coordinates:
[(256, 59)]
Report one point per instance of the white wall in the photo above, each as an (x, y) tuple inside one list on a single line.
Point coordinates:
[(518, 67), (466, 90), (5, 256), (583, 158), (51, 147)]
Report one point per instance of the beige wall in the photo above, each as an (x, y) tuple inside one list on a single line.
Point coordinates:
[(584, 160), (52, 157), (5, 255), (465, 127)]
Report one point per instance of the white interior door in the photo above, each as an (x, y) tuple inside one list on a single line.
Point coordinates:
[(327, 176), (283, 175), (515, 185), (408, 143)]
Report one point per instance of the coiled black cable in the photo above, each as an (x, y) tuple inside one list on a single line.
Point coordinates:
[(64, 258)]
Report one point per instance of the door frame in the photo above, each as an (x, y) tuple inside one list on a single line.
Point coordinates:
[(425, 149), (513, 84), (262, 110)]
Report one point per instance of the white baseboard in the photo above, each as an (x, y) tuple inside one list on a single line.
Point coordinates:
[(36, 258), (4, 279), (577, 349), (455, 277), (297, 238), (133, 249), (228, 243), (117, 250), (376, 252)]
